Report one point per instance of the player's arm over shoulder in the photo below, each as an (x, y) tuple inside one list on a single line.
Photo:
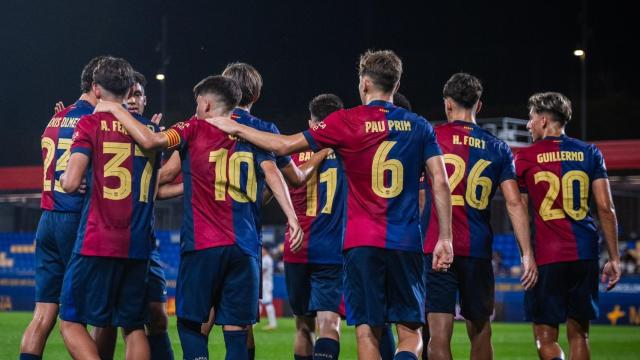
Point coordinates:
[(143, 136)]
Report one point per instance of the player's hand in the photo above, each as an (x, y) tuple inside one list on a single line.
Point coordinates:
[(529, 276), (442, 255), (83, 186), (295, 235), (224, 123), (156, 118), (58, 107), (611, 274)]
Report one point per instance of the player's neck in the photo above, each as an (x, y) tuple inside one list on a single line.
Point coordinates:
[(552, 131), (246, 108), (462, 115), (377, 96), (90, 98)]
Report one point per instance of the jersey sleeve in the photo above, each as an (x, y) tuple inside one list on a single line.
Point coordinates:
[(260, 155), (599, 168), (281, 161), (520, 165), (179, 134), (508, 171), (431, 147), (84, 136), (330, 132)]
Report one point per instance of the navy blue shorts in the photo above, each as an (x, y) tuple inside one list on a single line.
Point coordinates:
[(313, 287), (469, 279), (55, 237), (102, 291), (383, 286), (224, 278), (157, 286), (564, 290)]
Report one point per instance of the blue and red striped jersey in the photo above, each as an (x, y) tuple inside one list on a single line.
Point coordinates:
[(223, 185), (320, 207), (245, 118), (383, 149), (56, 149), (477, 163), (117, 214), (557, 173)]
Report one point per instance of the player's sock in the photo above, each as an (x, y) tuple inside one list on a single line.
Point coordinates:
[(160, 346), (271, 314), (387, 343), (236, 343), (252, 353), (302, 357), (25, 356), (194, 344), (326, 348), (405, 355)]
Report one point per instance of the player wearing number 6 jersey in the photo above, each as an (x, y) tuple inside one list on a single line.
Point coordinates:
[(477, 163), (383, 149), (60, 217), (224, 178), (560, 176), (105, 283)]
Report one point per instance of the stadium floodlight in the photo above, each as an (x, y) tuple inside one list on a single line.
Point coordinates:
[(160, 76), (578, 52)]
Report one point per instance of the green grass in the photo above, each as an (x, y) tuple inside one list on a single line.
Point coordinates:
[(510, 341)]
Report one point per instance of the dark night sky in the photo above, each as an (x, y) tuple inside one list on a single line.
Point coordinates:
[(303, 48)]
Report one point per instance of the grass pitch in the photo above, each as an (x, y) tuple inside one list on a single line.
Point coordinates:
[(510, 341)]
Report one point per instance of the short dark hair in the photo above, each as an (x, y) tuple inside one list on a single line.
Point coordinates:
[(86, 77), (139, 78), (322, 105), (554, 103), (465, 89), (384, 68), (248, 79), (114, 75), (401, 101), (224, 88)]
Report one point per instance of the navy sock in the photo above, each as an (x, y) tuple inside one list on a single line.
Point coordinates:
[(25, 356), (252, 353), (326, 348), (194, 344), (302, 357), (160, 346), (405, 355), (236, 343), (387, 343)]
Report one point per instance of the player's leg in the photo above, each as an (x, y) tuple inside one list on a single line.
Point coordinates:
[(197, 291), (303, 343), (267, 302), (251, 341), (583, 306), (54, 242), (546, 306), (426, 337), (476, 286), (326, 296), (78, 341), (441, 288), (157, 328), (105, 339), (365, 295), (405, 293), (84, 302), (131, 308), (236, 311), (298, 282)]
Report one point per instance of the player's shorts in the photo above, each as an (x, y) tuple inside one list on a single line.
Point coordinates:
[(469, 279), (221, 277), (384, 286), (55, 237), (564, 289), (313, 287), (103, 291), (157, 286)]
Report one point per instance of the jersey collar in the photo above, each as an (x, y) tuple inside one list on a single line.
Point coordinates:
[(83, 103), (382, 103), (554, 137)]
